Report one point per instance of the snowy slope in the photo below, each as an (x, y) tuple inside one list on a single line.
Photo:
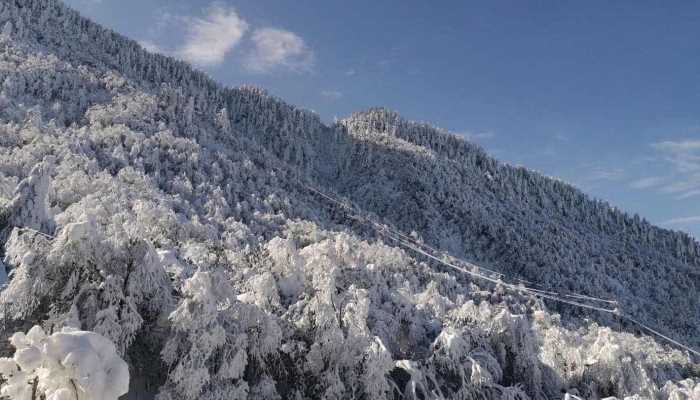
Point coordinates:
[(169, 214), (519, 222)]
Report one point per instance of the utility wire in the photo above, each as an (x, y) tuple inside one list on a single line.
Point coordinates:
[(424, 249), (46, 235), (382, 229), (659, 334)]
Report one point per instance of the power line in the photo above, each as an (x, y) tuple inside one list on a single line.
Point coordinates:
[(382, 229), (533, 292), (409, 242), (659, 334), (46, 235)]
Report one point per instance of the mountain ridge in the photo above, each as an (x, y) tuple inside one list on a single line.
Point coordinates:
[(277, 126), (310, 117), (152, 170)]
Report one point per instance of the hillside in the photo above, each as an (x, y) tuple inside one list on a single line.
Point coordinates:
[(149, 204)]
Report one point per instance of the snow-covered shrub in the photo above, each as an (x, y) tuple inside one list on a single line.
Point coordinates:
[(66, 365)]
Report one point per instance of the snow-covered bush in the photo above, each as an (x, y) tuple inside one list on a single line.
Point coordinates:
[(66, 365)]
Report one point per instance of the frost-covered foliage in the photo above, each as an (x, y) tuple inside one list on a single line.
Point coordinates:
[(66, 365), (145, 203), (519, 222)]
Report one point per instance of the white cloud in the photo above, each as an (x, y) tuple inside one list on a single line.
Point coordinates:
[(90, 2), (278, 48), (332, 94), (386, 62), (647, 183), (477, 136), (605, 174), (683, 221), (211, 38), (689, 194), (684, 156), (151, 46), (561, 137), (683, 184), (351, 72)]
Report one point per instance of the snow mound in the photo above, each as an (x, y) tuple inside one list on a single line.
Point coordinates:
[(66, 365)]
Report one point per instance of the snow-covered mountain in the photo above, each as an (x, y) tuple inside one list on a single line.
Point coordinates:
[(178, 218)]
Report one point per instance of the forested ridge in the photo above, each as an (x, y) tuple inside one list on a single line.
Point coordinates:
[(146, 203)]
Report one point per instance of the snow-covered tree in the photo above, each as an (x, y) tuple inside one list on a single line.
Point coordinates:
[(65, 365), (142, 201)]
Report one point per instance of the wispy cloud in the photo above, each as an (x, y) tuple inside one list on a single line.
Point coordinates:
[(385, 62), (682, 185), (561, 137), (684, 155), (684, 158), (647, 183), (332, 94), (90, 2), (211, 38), (605, 174), (390, 58), (151, 46), (689, 194), (278, 48), (683, 221), (477, 136)]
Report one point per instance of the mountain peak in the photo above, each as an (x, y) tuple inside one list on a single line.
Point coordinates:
[(383, 120)]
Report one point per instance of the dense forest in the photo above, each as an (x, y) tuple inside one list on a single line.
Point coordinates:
[(168, 221)]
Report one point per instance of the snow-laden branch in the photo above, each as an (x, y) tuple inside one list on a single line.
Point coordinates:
[(67, 365)]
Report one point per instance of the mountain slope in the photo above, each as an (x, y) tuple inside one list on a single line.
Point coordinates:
[(173, 219), (510, 219), (524, 224)]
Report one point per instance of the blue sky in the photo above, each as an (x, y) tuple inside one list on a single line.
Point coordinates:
[(604, 95)]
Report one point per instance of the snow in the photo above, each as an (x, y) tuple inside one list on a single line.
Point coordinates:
[(29, 208), (69, 364), (172, 225)]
